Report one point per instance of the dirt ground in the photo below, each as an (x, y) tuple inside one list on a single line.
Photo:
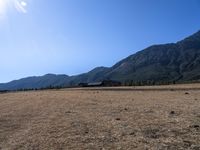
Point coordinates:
[(159, 117)]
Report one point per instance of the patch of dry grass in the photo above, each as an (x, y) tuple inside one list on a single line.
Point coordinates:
[(102, 119)]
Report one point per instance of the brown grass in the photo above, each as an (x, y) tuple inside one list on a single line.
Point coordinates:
[(102, 118)]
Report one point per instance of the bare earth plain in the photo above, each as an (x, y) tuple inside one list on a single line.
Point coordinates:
[(154, 117)]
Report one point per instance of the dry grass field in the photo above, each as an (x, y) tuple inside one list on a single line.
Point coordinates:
[(159, 117)]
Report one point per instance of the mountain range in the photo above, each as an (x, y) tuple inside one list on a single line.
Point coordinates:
[(173, 62)]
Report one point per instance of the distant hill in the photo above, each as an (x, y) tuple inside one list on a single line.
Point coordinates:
[(174, 62), (36, 82)]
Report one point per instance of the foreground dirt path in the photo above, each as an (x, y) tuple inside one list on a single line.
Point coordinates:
[(100, 119)]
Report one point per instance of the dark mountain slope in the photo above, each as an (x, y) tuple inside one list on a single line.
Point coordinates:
[(149, 64), (167, 62)]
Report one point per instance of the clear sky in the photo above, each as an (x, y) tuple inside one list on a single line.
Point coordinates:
[(73, 36)]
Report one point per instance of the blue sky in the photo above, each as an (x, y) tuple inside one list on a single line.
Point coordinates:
[(74, 36)]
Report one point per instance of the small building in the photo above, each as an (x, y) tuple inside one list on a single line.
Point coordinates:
[(111, 83), (83, 84), (104, 83), (95, 84)]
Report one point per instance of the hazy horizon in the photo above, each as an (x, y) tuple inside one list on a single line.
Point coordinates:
[(72, 37)]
